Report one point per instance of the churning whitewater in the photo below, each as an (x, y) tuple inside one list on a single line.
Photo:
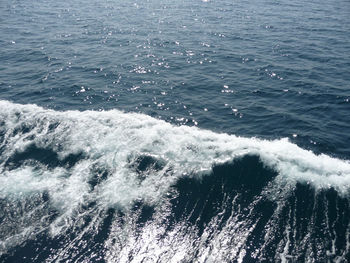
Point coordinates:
[(101, 173)]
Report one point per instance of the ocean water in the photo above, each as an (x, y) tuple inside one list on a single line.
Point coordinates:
[(174, 131)]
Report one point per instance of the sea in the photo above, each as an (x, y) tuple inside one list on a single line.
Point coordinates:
[(175, 131)]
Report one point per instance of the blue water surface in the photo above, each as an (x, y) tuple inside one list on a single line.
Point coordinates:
[(270, 69), (266, 69)]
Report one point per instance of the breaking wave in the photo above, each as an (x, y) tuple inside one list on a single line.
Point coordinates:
[(141, 189)]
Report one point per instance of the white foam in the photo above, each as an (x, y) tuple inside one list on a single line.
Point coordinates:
[(110, 140)]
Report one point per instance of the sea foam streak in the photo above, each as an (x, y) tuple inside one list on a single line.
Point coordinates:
[(81, 147)]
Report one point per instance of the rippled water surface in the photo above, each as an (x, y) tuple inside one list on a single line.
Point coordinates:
[(174, 131)]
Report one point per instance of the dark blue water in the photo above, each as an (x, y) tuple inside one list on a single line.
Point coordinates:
[(174, 131)]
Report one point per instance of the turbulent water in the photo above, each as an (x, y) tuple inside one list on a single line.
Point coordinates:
[(174, 131)]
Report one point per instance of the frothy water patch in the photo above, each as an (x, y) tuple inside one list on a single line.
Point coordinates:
[(36, 142), (87, 161)]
